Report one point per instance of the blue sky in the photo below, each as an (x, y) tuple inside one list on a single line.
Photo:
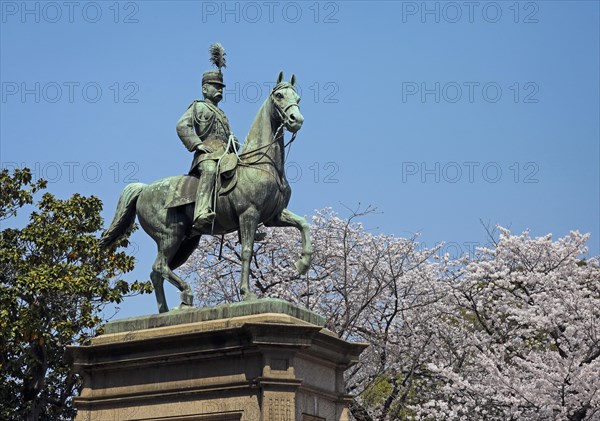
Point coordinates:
[(438, 113)]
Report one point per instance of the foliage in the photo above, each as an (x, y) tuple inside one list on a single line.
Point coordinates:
[(511, 333), (524, 320), (363, 283), (54, 282)]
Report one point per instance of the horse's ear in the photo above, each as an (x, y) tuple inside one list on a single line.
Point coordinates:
[(280, 77), (293, 80)]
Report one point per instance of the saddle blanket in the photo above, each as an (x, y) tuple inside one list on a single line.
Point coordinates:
[(185, 187)]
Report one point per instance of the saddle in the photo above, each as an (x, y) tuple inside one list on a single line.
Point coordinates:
[(186, 187)]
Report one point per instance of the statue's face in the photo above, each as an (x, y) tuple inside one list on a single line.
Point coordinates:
[(212, 92)]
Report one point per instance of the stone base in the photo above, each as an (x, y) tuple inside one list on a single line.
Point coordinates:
[(250, 367)]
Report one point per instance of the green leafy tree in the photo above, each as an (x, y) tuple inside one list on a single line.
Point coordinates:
[(54, 282)]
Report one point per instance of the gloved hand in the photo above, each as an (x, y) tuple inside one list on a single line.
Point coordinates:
[(235, 144), (203, 149)]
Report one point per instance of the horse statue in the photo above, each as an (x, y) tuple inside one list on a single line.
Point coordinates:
[(260, 194)]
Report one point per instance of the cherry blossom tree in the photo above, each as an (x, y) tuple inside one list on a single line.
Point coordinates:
[(521, 338), (363, 283), (510, 333)]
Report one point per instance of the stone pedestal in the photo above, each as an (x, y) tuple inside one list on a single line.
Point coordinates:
[(260, 361)]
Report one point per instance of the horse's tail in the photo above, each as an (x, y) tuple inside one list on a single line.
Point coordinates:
[(124, 216)]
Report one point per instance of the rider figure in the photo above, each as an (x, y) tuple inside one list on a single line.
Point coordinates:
[(204, 130)]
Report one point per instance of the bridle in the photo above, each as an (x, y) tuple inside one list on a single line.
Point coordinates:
[(284, 119), (282, 111)]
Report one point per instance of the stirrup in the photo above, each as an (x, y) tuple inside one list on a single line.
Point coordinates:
[(203, 219)]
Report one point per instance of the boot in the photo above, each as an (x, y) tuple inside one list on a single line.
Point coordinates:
[(203, 215)]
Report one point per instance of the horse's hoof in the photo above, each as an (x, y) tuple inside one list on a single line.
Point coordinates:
[(186, 298), (183, 306), (301, 267), (250, 296)]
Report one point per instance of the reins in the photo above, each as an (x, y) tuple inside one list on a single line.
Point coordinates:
[(283, 117)]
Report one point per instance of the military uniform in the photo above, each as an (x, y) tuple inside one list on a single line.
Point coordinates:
[(205, 125)]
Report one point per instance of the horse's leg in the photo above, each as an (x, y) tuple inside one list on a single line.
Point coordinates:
[(167, 227), (290, 219), (161, 271), (248, 224), (157, 281), (186, 248), (187, 298)]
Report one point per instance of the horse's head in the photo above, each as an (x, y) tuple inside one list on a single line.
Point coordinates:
[(285, 101)]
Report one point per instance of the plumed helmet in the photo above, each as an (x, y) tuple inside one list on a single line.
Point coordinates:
[(213, 76), (217, 57)]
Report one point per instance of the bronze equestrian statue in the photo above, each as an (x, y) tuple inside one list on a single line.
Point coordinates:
[(204, 130), (251, 188)]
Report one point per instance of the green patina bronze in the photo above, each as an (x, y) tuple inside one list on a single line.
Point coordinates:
[(225, 311), (244, 190)]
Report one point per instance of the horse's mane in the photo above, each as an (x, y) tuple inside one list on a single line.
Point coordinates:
[(283, 84)]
